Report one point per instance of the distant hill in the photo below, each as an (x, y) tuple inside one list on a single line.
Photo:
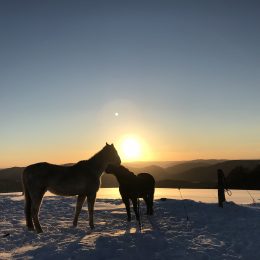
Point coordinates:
[(158, 172), (186, 166), (189, 174), (209, 173), (143, 164), (10, 179)]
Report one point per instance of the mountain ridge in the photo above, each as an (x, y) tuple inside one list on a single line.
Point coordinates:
[(201, 173)]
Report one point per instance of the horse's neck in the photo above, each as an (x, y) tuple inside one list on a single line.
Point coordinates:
[(98, 163), (93, 167), (124, 178)]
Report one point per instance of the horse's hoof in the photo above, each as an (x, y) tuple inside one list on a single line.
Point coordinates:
[(92, 227), (31, 229), (39, 231)]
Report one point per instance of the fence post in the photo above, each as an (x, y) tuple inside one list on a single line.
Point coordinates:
[(221, 188)]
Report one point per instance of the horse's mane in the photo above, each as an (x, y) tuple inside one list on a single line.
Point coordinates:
[(124, 171)]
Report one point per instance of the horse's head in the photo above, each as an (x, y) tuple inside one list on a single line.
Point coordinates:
[(112, 155), (111, 169)]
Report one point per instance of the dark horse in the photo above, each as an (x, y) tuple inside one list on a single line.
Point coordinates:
[(132, 187), (82, 179)]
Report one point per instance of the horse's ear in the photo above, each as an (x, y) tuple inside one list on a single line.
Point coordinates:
[(107, 143)]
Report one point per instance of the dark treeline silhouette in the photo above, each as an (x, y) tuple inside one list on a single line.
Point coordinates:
[(244, 178)]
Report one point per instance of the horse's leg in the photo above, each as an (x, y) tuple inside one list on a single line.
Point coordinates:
[(91, 202), (27, 210), (127, 206), (80, 202), (151, 198), (134, 201), (36, 203), (147, 202)]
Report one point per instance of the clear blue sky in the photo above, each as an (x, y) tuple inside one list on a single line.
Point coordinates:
[(183, 76)]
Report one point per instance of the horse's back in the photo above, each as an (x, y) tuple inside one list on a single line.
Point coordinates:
[(60, 180), (146, 178), (42, 168), (139, 186), (41, 172)]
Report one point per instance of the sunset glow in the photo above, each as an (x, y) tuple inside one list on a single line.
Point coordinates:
[(164, 81), (131, 149)]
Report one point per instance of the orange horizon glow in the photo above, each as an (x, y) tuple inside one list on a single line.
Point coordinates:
[(149, 147), (145, 154)]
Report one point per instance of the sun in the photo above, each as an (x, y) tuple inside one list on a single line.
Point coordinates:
[(131, 149)]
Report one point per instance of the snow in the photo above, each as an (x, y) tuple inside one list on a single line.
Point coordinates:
[(209, 232)]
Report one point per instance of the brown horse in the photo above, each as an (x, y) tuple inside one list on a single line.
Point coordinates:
[(82, 179), (132, 187)]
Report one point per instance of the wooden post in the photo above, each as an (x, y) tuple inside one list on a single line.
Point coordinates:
[(221, 188)]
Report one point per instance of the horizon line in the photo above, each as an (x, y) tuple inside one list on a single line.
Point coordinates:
[(152, 161)]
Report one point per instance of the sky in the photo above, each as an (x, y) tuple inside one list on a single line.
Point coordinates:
[(181, 77)]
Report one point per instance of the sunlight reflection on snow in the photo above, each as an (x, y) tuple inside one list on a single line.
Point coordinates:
[(25, 248), (203, 195)]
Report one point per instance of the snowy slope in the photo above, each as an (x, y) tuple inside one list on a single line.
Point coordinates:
[(209, 233)]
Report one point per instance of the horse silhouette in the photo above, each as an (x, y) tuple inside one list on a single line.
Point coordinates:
[(132, 187), (82, 179)]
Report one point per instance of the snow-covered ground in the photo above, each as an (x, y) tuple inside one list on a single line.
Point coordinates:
[(209, 232)]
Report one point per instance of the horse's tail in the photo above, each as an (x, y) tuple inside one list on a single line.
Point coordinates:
[(27, 197)]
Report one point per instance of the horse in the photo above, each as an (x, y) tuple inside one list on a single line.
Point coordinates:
[(81, 179), (132, 187)]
